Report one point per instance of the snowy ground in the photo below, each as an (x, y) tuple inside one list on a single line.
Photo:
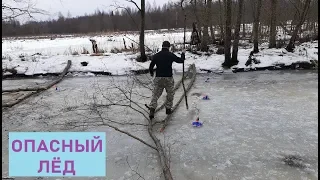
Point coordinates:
[(252, 121), (41, 56)]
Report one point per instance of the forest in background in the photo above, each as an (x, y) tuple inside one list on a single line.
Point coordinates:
[(168, 16)]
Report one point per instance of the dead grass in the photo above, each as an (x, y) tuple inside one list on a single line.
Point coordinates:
[(116, 50)]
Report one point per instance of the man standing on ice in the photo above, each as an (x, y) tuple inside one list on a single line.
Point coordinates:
[(163, 80)]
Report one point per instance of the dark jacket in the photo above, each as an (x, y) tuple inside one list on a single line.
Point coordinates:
[(163, 60)]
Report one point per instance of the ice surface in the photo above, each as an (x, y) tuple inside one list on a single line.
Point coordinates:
[(251, 123)]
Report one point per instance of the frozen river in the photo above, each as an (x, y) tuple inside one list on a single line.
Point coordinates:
[(257, 125)]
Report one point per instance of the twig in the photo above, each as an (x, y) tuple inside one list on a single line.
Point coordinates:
[(124, 132), (134, 170), (117, 6), (131, 1)]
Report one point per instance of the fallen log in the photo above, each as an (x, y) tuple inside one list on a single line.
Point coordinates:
[(38, 89), (64, 72), (304, 65), (164, 160), (30, 93), (54, 74)]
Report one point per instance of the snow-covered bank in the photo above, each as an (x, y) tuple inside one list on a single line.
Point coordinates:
[(45, 56)]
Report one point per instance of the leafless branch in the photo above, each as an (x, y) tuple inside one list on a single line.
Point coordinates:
[(127, 133), (135, 171), (117, 6), (19, 8), (131, 1), (296, 7)]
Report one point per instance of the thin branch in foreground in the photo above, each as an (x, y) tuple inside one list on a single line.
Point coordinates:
[(124, 132), (135, 171)]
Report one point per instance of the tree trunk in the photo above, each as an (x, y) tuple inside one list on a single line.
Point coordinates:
[(164, 160), (205, 37), (213, 39), (273, 24), (210, 21), (290, 46), (243, 30), (256, 26), (295, 18), (168, 19), (237, 34), (114, 24), (143, 57), (199, 24), (243, 25), (227, 39), (315, 29), (177, 20), (221, 21)]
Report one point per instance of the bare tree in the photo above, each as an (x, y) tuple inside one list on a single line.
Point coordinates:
[(273, 24), (256, 21), (205, 37), (142, 11), (141, 38), (243, 25), (237, 34), (303, 14), (210, 20), (17, 8), (227, 40), (197, 14), (221, 21)]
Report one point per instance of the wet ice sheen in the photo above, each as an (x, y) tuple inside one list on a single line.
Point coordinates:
[(251, 123)]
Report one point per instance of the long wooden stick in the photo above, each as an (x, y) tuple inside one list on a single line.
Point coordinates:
[(184, 46)]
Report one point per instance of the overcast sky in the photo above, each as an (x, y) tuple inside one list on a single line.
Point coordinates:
[(81, 7)]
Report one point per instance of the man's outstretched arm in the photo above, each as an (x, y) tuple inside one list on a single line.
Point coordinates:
[(181, 59)]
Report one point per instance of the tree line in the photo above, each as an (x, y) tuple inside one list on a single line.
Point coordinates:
[(167, 16)]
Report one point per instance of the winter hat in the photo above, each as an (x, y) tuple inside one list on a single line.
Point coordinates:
[(165, 44)]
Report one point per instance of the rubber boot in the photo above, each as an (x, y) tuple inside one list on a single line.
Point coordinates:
[(168, 111), (151, 115)]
